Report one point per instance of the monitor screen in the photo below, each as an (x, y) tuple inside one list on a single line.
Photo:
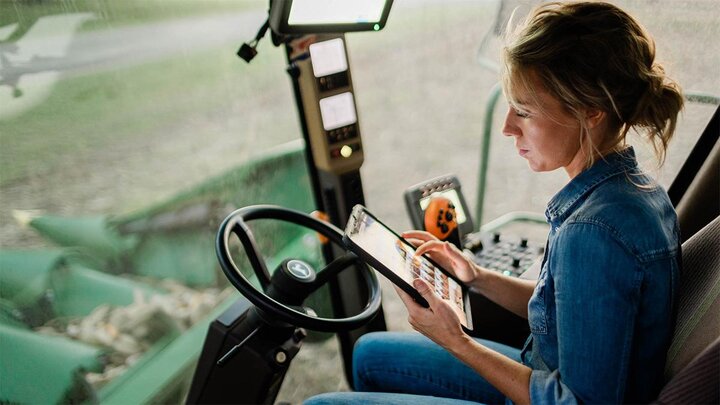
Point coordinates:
[(338, 111), (328, 57), (318, 16), (316, 12), (398, 257)]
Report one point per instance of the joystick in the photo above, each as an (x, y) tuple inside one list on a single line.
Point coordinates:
[(441, 220)]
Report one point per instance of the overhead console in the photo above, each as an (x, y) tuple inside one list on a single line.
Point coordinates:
[(313, 31)]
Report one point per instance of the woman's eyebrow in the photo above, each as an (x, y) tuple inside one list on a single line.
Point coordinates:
[(521, 104)]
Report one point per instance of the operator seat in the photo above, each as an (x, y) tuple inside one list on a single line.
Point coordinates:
[(693, 361)]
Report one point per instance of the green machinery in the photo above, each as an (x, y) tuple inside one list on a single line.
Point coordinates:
[(133, 295)]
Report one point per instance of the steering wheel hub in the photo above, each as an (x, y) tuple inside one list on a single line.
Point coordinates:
[(300, 271)]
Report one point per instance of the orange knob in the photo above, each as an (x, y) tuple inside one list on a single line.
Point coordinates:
[(440, 217)]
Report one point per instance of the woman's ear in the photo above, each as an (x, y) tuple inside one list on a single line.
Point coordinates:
[(594, 117)]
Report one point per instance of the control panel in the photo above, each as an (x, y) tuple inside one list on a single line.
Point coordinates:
[(507, 254), (324, 94), (418, 197), (510, 255), (328, 101)]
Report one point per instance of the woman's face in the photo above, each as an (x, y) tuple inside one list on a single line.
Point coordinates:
[(545, 133)]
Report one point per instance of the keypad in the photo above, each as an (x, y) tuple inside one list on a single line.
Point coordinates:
[(506, 254)]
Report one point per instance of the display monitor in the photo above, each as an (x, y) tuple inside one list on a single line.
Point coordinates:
[(395, 258), (324, 16)]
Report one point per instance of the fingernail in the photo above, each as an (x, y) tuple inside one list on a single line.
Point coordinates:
[(419, 285)]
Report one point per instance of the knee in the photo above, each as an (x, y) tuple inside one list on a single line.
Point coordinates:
[(367, 350), (366, 347)]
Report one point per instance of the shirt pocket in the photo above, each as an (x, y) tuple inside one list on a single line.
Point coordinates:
[(537, 309)]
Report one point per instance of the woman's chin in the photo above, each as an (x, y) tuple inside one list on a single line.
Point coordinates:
[(534, 166), (538, 168)]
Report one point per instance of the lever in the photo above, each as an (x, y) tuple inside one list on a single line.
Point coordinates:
[(441, 220), (234, 350)]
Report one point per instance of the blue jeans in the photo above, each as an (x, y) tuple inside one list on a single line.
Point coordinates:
[(408, 368)]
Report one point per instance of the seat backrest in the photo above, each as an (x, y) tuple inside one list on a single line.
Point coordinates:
[(698, 310), (698, 383), (701, 201)]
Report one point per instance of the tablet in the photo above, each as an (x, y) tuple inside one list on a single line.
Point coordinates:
[(394, 257)]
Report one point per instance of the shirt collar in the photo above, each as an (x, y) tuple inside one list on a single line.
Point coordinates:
[(582, 184)]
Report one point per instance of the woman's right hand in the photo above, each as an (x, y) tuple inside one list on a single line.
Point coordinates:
[(447, 255)]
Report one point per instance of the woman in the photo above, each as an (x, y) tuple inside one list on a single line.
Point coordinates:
[(579, 77)]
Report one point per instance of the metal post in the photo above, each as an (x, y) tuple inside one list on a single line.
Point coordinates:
[(485, 152)]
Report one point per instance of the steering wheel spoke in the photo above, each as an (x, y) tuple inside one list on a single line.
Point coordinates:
[(333, 268), (257, 262)]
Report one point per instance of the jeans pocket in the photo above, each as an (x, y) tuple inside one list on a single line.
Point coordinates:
[(537, 309)]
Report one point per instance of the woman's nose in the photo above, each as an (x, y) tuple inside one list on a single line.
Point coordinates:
[(509, 128)]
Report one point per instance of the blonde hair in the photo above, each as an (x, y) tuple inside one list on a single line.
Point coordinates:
[(593, 55)]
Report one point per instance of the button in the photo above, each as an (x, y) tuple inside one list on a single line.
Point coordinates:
[(280, 357), (346, 151)]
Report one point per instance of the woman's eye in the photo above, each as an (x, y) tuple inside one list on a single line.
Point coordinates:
[(521, 114)]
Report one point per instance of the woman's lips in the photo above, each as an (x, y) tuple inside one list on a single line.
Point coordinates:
[(523, 152)]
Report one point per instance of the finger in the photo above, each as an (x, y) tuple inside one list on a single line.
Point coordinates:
[(430, 246), (426, 292), (409, 302), (422, 235), (415, 242)]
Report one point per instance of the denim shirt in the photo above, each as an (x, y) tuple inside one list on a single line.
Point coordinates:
[(601, 315)]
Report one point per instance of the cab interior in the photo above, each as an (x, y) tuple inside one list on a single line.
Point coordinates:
[(129, 131)]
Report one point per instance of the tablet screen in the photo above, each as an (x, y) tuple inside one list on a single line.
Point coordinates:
[(392, 252)]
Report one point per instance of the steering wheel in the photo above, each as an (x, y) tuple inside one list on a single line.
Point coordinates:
[(305, 279)]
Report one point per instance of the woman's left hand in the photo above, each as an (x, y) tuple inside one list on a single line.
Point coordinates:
[(441, 322)]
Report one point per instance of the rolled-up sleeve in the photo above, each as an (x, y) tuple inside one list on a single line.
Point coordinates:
[(596, 292)]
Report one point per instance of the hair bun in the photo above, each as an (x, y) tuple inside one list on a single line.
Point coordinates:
[(656, 80)]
